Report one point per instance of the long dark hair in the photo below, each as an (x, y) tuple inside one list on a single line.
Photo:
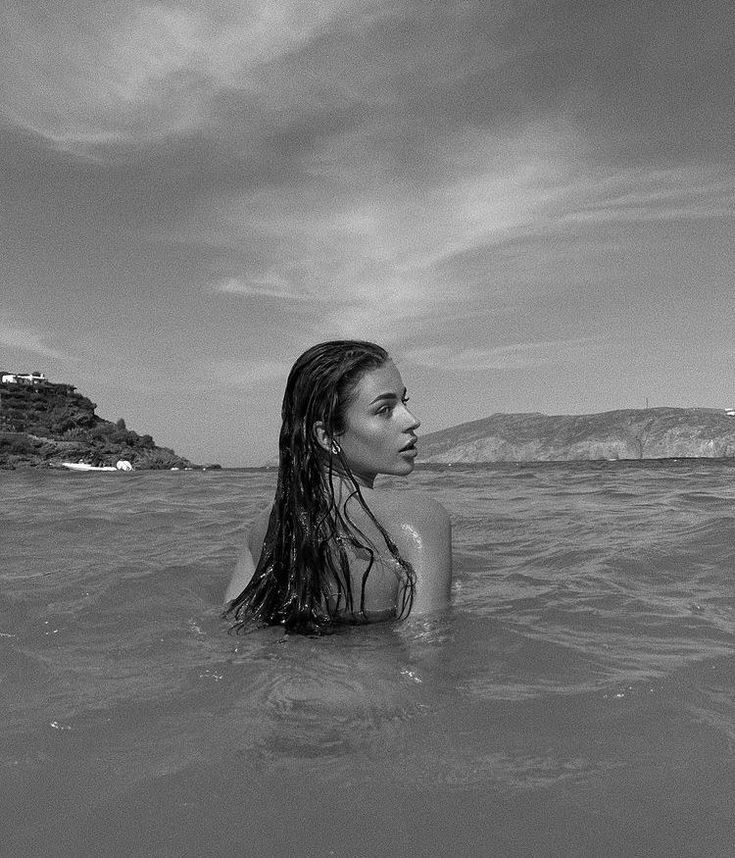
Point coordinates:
[(303, 561)]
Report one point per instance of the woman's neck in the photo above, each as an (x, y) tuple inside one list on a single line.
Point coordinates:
[(343, 486), (340, 478)]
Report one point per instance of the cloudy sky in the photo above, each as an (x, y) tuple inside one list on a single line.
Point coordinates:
[(529, 203)]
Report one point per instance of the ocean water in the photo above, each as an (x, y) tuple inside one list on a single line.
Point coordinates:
[(578, 699)]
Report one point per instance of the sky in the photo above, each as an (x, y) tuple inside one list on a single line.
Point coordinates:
[(529, 204)]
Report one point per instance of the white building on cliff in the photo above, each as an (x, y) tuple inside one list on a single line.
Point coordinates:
[(22, 377)]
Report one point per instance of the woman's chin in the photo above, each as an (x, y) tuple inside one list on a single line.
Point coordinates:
[(403, 467)]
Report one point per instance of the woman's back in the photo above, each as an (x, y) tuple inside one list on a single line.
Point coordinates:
[(418, 526)]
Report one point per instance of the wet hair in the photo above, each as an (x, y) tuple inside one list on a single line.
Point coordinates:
[(303, 564)]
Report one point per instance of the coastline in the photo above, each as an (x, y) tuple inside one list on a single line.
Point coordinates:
[(626, 434), (43, 425)]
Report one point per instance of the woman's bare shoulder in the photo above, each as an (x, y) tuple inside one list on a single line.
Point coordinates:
[(421, 528), (414, 509), (416, 521)]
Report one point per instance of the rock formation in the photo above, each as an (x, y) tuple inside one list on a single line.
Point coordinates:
[(651, 433), (44, 424)]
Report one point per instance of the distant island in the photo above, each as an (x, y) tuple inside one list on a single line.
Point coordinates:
[(43, 424), (650, 433)]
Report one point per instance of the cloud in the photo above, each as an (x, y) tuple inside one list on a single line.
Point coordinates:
[(84, 74), (631, 77), (629, 196), (269, 286), (510, 357), (28, 340), (487, 235), (367, 245), (244, 374)]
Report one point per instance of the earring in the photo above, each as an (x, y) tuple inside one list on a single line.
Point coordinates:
[(335, 449)]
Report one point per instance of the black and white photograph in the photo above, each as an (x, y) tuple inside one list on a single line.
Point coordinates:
[(367, 428)]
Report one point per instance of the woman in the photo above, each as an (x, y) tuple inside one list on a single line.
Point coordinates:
[(331, 548)]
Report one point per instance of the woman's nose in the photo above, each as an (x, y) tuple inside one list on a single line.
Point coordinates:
[(414, 422)]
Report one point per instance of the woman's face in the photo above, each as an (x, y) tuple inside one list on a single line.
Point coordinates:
[(380, 435)]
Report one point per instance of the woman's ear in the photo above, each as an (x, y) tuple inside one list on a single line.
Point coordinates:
[(322, 438)]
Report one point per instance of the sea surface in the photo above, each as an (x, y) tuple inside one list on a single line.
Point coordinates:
[(578, 699)]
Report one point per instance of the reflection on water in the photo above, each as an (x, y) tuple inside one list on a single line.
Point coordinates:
[(576, 700)]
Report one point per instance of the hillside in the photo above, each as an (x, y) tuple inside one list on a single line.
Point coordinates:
[(43, 424), (651, 433)]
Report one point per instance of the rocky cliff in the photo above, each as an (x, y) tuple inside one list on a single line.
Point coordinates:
[(651, 433), (46, 424)]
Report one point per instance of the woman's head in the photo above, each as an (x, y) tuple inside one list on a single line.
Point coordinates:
[(345, 403), (319, 390)]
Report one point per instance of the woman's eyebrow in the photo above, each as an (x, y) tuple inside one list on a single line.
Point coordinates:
[(389, 396)]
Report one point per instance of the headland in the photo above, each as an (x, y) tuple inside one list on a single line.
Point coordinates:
[(43, 424), (649, 433)]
